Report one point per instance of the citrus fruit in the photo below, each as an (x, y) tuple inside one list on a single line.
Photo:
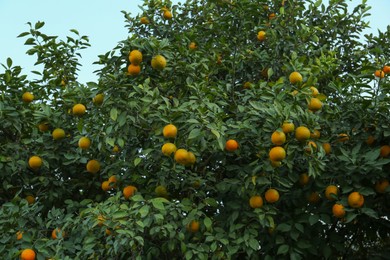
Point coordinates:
[(98, 99), (271, 195), (379, 74), (303, 179), (58, 134), (256, 201), (193, 226), (181, 156), (27, 254), (144, 20), (327, 147), (231, 145), (158, 62), (93, 166), (385, 151), (331, 189), (133, 70), (78, 110), (161, 191), (295, 77), (170, 131), (315, 104), (19, 235), (277, 154), (35, 162), (355, 200), (261, 35), (381, 186), (30, 199), (57, 233), (314, 91), (27, 97), (129, 191), (288, 127), (192, 46), (84, 143), (168, 149), (167, 15), (135, 57), (302, 133), (278, 138), (43, 127), (338, 210)]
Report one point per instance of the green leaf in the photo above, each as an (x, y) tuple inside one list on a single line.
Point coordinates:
[(194, 133), (114, 114), (283, 249), (9, 62), (207, 223), (144, 211), (137, 161), (313, 219), (370, 212), (39, 25), (254, 244), (119, 214), (158, 204)]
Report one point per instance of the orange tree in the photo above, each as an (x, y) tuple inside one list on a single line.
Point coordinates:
[(217, 129)]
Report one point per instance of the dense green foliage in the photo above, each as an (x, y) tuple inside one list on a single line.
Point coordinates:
[(201, 91)]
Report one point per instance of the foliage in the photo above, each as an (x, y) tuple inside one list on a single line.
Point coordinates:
[(201, 91)]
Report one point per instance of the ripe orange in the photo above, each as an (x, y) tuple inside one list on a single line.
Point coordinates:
[(170, 131), (135, 57), (43, 127), (27, 254), (106, 186), (35, 162), (193, 226), (271, 16), (181, 156), (331, 189), (315, 104), (386, 69), (58, 134), (256, 201), (191, 159), (288, 127), (355, 200), (295, 77), (112, 180), (385, 151), (316, 134), (144, 20), (161, 191), (192, 46), (231, 145), (167, 15), (311, 146), (84, 143), (302, 133), (78, 110), (314, 91), (327, 147), (342, 138), (277, 154), (338, 210), (133, 70), (129, 191), (27, 97), (303, 179), (98, 99), (158, 62), (57, 233), (261, 35), (381, 186), (93, 166), (370, 140), (30, 199), (314, 197), (379, 73), (108, 232), (168, 149), (271, 195), (278, 138), (19, 235)]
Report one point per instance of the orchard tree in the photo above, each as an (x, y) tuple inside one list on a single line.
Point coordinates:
[(218, 129)]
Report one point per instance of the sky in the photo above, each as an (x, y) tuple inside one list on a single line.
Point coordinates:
[(101, 20)]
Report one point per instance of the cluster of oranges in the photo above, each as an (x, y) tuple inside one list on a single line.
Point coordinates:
[(158, 62), (381, 73)]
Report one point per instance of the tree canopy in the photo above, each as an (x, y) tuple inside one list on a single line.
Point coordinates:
[(218, 129)]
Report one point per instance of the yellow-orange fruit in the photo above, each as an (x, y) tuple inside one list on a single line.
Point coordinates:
[(277, 154), (338, 210), (193, 226), (261, 35), (327, 148), (355, 200), (302, 133), (170, 131), (288, 127), (295, 77), (129, 191), (381, 186), (271, 195), (58, 134), (84, 143), (168, 149), (181, 156), (256, 201), (78, 110), (315, 104), (278, 138), (93, 166), (27, 97), (27, 254), (385, 151), (133, 70), (231, 145), (135, 57), (35, 162), (331, 189)]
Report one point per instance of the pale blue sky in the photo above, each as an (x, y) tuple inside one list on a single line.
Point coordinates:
[(101, 20)]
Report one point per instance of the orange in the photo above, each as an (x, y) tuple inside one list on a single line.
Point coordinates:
[(370, 140), (271, 195), (314, 91), (192, 46), (271, 16), (19, 235), (193, 226), (168, 149), (30, 199), (133, 70), (93, 166), (261, 35), (58, 134), (158, 62), (181, 156), (311, 146), (27, 97), (43, 127), (277, 154), (112, 180), (84, 143), (129, 191), (381, 186), (331, 189), (302, 133), (386, 69), (135, 57), (101, 220), (288, 127), (144, 20), (167, 15), (295, 77), (170, 131), (278, 138), (106, 185), (98, 99), (355, 200), (327, 147), (338, 210), (342, 138), (57, 233), (303, 179), (379, 73), (191, 158), (256, 201), (315, 104), (161, 191), (385, 151), (27, 254), (314, 197), (78, 110), (35, 162), (231, 145), (316, 134)]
